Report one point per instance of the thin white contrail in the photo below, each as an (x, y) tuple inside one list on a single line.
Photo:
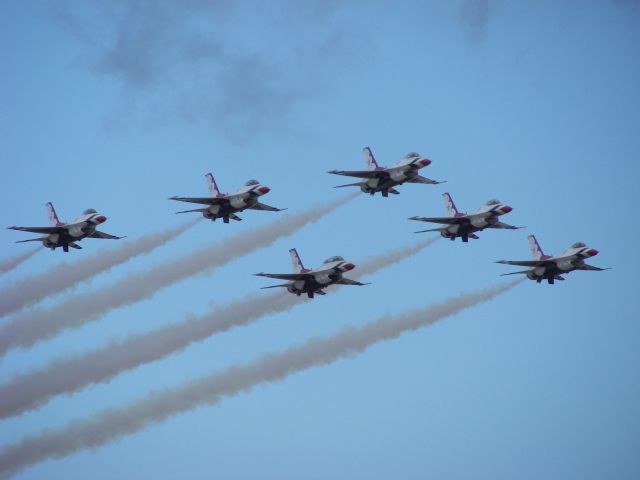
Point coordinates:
[(10, 263), (40, 323), (69, 374), (114, 423), (66, 275)]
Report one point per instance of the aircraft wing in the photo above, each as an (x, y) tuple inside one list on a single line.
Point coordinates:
[(591, 267), (526, 263), (444, 220), (421, 179), (47, 230), (348, 281), (201, 200), (360, 173), (505, 226), (98, 234), (269, 208), (285, 276)]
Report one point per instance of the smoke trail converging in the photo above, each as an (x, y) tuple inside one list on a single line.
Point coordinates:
[(65, 275), (69, 374), (157, 406), (41, 323), (11, 263)]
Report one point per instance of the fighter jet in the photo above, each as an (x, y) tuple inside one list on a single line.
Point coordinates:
[(66, 235), (303, 280), (551, 267), (225, 206), (464, 225), (381, 179)]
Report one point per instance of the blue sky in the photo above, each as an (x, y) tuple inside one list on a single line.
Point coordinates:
[(535, 103)]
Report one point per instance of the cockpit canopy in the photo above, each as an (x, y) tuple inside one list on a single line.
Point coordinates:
[(251, 183), (493, 201), (89, 211), (578, 245), (334, 259), (412, 155)]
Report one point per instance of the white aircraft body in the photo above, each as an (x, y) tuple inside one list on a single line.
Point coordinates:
[(66, 235), (552, 267), (464, 225), (381, 179), (303, 280), (225, 206)]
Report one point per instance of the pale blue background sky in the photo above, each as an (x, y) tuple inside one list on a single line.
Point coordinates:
[(535, 103)]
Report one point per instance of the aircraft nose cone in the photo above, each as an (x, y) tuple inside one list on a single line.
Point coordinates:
[(425, 162), (505, 209), (264, 190), (101, 219), (349, 266), (593, 252)]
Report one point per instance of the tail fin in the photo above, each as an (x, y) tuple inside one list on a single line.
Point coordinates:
[(534, 246), (213, 186), (298, 267), (369, 159), (449, 206), (54, 221)]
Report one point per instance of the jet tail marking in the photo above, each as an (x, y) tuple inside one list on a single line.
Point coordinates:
[(449, 206), (213, 186), (54, 221), (296, 262), (369, 159)]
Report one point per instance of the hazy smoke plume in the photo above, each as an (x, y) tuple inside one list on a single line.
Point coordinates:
[(157, 406), (41, 323), (65, 275), (11, 263), (69, 374)]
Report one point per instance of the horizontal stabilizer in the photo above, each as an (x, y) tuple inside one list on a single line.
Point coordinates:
[(194, 210), (441, 229), (32, 240), (276, 286), (516, 273), (357, 184)]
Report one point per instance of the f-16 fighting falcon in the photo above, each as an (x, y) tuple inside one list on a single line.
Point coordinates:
[(551, 267), (303, 280), (225, 206), (381, 179), (464, 225), (66, 235)]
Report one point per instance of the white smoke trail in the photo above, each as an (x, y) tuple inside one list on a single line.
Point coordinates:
[(157, 406), (69, 374), (41, 323), (11, 263), (66, 275)]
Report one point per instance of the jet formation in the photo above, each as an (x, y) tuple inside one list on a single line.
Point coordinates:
[(375, 179)]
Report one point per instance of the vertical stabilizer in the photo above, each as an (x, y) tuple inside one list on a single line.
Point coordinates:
[(54, 221), (534, 246), (449, 206), (213, 186), (369, 159), (298, 267)]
